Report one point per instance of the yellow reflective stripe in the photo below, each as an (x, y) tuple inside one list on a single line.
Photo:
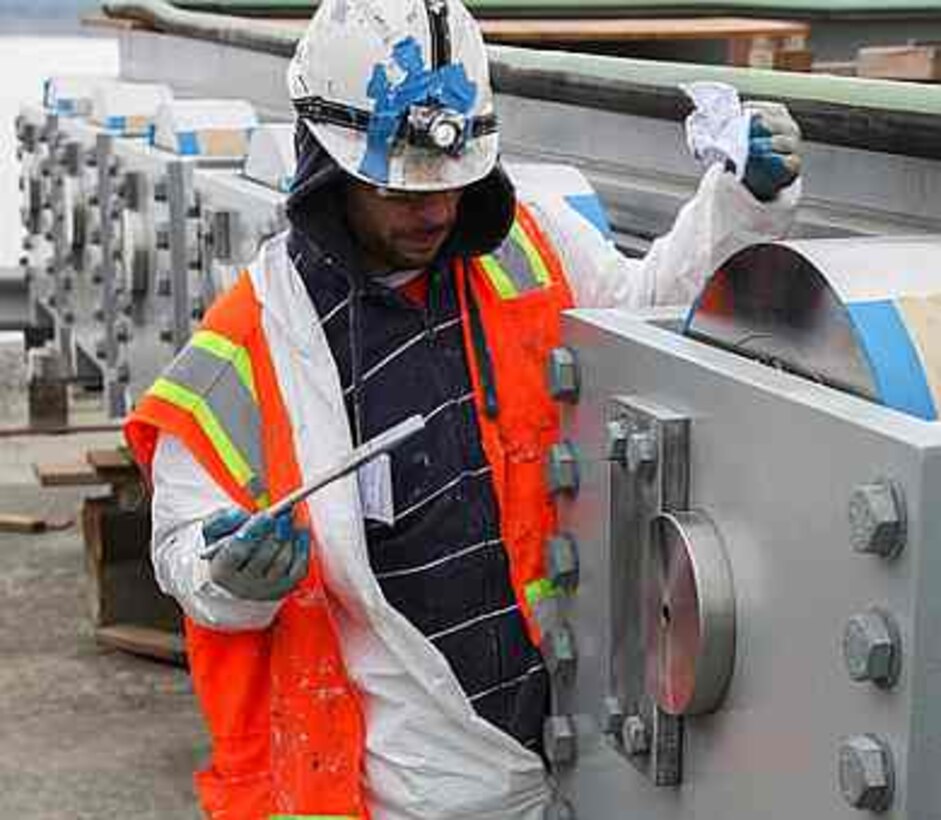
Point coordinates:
[(539, 590), (193, 403), (539, 269), (223, 348), (498, 277)]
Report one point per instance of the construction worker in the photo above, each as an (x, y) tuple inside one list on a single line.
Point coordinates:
[(374, 654)]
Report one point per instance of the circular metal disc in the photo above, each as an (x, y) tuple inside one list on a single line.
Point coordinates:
[(689, 615)]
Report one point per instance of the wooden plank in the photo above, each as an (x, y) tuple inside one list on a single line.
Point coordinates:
[(909, 62), (67, 474), (10, 522), (623, 29), (143, 640)]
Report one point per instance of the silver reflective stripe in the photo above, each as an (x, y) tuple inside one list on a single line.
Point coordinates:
[(218, 382), (515, 264)]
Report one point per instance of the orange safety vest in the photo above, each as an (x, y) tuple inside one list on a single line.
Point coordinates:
[(277, 752)]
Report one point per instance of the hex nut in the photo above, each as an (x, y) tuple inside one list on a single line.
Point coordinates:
[(558, 735), (564, 378), (866, 772), (563, 468), (872, 648), (877, 519), (562, 562), (634, 736)]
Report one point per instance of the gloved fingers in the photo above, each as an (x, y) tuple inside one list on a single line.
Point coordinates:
[(234, 554), (258, 528), (300, 556), (772, 118), (280, 561), (223, 523)]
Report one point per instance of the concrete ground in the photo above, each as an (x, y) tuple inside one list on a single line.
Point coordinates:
[(85, 733)]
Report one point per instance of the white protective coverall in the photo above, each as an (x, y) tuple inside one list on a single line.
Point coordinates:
[(428, 755)]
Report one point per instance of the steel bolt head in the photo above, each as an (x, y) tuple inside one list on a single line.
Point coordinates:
[(867, 778), (558, 735), (877, 519), (641, 450), (563, 468), (612, 716), (634, 735), (562, 562), (564, 379), (616, 433), (558, 651), (871, 648)]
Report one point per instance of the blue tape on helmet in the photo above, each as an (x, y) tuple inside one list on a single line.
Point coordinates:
[(448, 87)]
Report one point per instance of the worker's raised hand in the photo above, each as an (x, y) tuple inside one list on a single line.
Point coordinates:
[(773, 149), (263, 561)]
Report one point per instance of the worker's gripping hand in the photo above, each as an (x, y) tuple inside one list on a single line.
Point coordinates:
[(263, 561), (773, 149)]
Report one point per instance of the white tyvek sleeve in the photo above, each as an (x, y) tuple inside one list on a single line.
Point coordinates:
[(719, 220), (184, 496)]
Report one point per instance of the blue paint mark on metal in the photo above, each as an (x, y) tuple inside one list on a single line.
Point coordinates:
[(896, 367), (446, 87), (116, 124), (590, 207), (187, 143)]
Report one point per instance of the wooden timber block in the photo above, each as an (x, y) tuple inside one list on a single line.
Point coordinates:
[(909, 62), (144, 640), (67, 474), (122, 588), (10, 522)]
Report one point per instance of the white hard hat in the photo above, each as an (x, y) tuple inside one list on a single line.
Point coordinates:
[(398, 92)]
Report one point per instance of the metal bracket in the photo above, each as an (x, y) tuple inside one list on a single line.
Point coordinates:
[(649, 475)]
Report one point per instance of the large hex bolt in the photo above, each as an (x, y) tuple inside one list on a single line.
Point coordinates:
[(612, 717), (641, 450), (877, 519), (872, 648), (559, 809), (563, 468), (558, 736), (616, 433), (634, 736), (867, 776), (558, 651), (564, 378), (562, 562)]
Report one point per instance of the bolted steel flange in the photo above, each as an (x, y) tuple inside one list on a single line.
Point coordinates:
[(866, 772), (872, 648), (877, 519), (562, 561), (564, 377)]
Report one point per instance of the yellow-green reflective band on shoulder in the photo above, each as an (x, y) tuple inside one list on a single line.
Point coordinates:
[(196, 405), (223, 348), (539, 590), (539, 269), (498, 278)]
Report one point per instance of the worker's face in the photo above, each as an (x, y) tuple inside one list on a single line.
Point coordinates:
[(399, 230)]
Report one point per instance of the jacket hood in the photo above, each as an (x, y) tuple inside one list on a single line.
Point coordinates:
[(485, 213)]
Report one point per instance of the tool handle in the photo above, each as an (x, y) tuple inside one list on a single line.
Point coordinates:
[(383, 443)]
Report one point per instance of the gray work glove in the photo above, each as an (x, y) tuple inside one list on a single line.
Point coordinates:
[(262, 562), (773, 149)]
